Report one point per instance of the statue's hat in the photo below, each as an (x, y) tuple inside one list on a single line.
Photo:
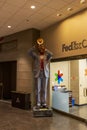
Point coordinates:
[(40, 41)]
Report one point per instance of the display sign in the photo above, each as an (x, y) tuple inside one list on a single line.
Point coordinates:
[(74, 45)]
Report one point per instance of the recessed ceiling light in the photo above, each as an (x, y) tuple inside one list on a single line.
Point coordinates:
[(82, 1), (69, 9), (59, 14), (32, 6), (9, 26)]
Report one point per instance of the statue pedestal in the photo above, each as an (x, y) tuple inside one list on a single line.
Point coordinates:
[(42, 112)]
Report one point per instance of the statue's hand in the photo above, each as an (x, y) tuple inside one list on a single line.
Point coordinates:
[(34, 47)]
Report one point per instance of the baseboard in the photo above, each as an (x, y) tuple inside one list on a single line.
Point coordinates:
[(80, 104), (71, 115)]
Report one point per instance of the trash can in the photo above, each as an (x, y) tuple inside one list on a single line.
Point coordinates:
[(73, 101)]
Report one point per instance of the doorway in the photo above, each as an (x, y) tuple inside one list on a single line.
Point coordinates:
[(7, 79)]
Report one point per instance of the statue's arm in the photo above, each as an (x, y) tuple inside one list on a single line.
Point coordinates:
[(31, 52), (49, 55)]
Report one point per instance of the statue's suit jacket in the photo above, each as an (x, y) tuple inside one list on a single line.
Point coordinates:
[(36, 56)]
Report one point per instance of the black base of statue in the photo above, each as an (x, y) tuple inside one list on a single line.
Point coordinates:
[(42, 112)]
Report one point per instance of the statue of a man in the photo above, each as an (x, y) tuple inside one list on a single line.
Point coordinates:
[(42, 57)]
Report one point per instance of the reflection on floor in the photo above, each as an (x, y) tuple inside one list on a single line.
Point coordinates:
[(80, 111), (6, 101), (12, 118)]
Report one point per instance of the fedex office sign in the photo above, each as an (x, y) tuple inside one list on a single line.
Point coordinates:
[(74, 45)]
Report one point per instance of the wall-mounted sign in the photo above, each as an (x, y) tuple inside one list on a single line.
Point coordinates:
[(74, 45), (59, 77)]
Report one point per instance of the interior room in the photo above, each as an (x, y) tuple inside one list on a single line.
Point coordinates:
[(69, 76), (63, 26)]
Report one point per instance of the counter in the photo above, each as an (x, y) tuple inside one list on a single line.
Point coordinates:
[(60, 100)]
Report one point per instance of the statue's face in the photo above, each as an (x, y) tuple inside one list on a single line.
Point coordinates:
[(40, 45), (41, 48)]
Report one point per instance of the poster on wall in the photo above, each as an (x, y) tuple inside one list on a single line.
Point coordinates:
[(59, 74)]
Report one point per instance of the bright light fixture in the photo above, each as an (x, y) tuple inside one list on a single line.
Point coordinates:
[(59, 15), (82, 1), (32, 6), (69, 9), (9, 26)]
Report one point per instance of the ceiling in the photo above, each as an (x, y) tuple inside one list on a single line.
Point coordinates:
[(19, 15)]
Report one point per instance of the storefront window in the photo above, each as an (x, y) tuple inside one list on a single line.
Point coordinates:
[(68, 78)]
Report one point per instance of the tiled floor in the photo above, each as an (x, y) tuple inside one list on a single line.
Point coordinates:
[(17, 119)]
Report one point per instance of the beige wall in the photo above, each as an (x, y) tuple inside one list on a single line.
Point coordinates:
[(24, 41), (71, 29), (74, 79)]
